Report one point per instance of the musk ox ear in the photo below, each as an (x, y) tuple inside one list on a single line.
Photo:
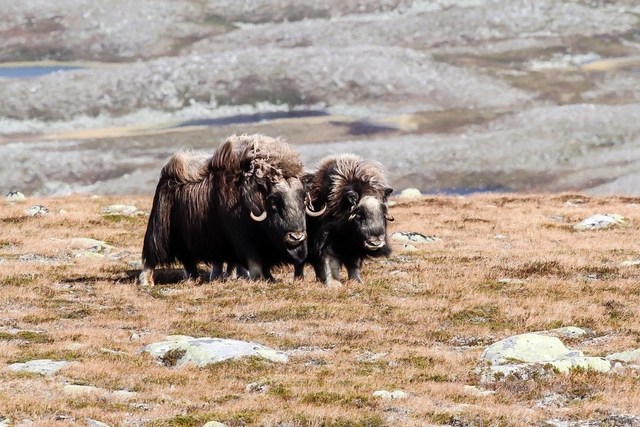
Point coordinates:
[(352, 197), (387, 192)]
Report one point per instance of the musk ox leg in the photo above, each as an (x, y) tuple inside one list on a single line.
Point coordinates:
[(146, 277), (266, 272), (329, 270), (190, 271), (242, 272), (255, 270), (298, 271), (216, 271), (353, 270)]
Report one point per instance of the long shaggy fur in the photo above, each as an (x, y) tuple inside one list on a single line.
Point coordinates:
[(202, 204), (354, 191)]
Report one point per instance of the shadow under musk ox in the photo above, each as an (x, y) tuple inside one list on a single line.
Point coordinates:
[(352, 194), (244, 206)]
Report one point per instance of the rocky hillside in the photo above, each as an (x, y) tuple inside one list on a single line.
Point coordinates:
[(484, 93)]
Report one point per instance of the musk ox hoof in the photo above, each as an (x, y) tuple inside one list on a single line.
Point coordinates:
[(146, 279)]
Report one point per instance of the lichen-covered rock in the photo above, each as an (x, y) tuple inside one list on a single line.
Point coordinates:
[(15, 196), (204, 351), (522, 356), (632, 356)]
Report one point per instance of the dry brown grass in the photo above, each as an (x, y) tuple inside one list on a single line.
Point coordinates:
[(431, 312)]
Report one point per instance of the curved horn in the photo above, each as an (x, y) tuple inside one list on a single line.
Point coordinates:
[(259, 218), (389, 218), (312, 213)]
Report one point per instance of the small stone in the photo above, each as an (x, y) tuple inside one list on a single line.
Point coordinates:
[(599, 221), (15, 196), (37, 210), (62, 212), (499, 237), (134, 337), (410, 193), (629, 263), (213, 424), (256, 387), (511, 281)]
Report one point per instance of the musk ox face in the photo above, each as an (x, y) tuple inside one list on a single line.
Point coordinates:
[(367, 219), (282, 217)]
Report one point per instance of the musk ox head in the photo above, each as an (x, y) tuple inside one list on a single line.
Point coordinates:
[(366, 218), (355, 193), (271, 191)]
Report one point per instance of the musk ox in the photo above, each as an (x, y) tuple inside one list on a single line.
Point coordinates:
[(350, 194), (244, 206)]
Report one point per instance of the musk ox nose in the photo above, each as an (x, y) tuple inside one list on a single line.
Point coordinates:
[(374, 243), (295, 239)]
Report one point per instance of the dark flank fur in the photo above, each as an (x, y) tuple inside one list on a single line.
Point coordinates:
[(202, 205), (354, 225)]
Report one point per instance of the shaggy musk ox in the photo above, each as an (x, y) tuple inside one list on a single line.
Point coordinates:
[(351, 194), (244, 206)]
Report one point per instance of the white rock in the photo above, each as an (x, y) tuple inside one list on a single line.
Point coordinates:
[(527, 348), (45, 367), (410, 193), (204, 351), (571, 332), (629, 263), (37, 210), (213, 424), (412, 237), (15, 196), (600, 221)]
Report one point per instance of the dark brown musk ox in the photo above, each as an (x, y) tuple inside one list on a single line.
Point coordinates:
[(348, 216), (244, 206)]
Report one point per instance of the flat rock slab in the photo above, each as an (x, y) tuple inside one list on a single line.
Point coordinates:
[(632, 356), (599, 221), (205, 351), (45, 367)]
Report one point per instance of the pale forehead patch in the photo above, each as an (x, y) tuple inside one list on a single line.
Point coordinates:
[(370, 203)]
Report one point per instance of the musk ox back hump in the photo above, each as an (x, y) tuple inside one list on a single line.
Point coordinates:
[(187, 166)]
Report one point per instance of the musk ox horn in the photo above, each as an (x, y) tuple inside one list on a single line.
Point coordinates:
[(389, 218), (258, 218), (313, 213)]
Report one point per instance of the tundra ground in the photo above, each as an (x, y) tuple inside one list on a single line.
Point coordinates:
[(418, 323)]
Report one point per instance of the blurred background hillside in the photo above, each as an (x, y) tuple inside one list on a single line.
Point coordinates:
[(452, 96)]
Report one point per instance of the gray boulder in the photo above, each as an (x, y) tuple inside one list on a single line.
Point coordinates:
[(599, 221)]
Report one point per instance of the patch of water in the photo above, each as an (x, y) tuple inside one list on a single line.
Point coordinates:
[(253, 118), (33, 71)]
